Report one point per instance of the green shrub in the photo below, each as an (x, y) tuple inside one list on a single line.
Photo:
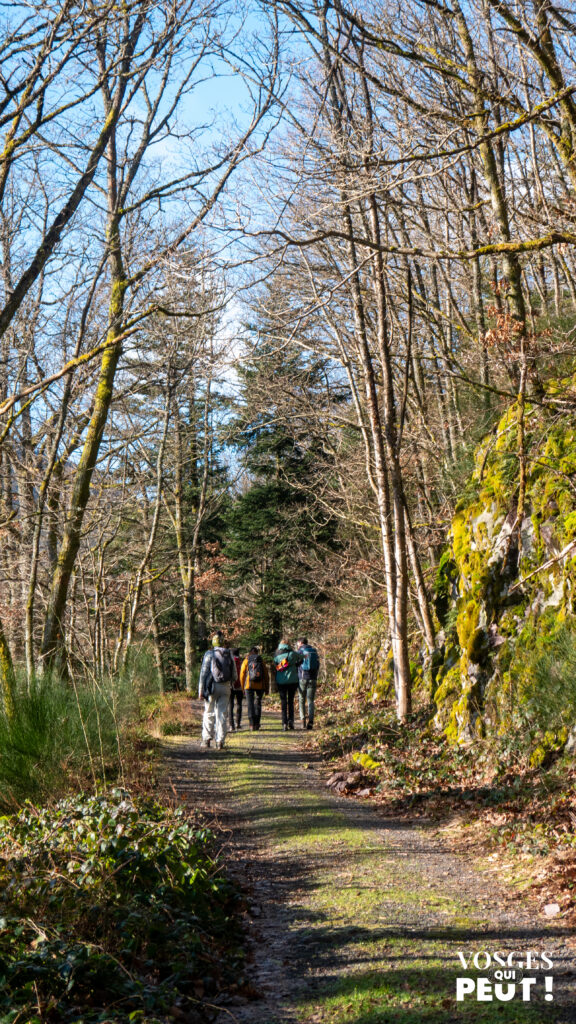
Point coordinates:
[(140, 671), (550, 699), (544, 693), (109, 904)]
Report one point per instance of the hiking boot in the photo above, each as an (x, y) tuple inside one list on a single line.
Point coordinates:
[(219, 744), (252, 728), (310, 725), (285, 727), (205, 744), (290, 725)]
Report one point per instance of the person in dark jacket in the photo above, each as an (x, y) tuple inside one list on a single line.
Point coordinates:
[(285, 665), (236, 694), (255, 683)]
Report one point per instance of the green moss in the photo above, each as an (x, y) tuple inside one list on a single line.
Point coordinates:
[(432, 673), (550, 744), (365, 761), (570, 526), (367, 666), (416, 675), (446, 575), (478, 647), (495, 602), (480, 681), (383, 683), (467, 625), (450, 686)]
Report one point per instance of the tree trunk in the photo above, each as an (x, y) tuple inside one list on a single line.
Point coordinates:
[(189, 637), (7, 677), (423, 602), (158, 660), (53, 643)]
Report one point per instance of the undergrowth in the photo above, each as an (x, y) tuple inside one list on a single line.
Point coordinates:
[(168, 714), (64, 737), (413, 771), (114, 910)]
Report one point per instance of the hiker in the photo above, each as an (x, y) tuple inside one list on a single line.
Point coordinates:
[(217, 675), (285, 665), (307, 679), (236, 693), (255, 683)]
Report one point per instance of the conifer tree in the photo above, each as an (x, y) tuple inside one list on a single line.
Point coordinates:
[(276, 529)]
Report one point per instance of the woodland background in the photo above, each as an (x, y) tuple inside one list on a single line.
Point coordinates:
[(283, 285)]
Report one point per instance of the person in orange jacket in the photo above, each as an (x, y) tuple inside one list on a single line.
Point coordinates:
[(255, 682)]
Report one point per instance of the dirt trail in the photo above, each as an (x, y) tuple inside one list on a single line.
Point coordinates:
[(353, 917)]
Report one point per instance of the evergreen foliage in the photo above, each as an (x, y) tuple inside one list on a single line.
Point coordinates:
[(276, 528), (115, 910)]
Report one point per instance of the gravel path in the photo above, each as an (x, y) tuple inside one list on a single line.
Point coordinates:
[(354, 917)]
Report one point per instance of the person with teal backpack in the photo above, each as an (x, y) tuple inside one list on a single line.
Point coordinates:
[(307, 680), (285, 665)]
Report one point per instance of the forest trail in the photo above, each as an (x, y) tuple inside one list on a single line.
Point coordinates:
[(354, 917)]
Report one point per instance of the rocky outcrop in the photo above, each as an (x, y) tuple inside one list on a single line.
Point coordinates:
[(504, 590), (504, 599), (367, 661)]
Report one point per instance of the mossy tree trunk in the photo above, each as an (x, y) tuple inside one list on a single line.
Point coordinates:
[(511, 261), (7, 677), (120, 175), (53, 471), (53, 650)]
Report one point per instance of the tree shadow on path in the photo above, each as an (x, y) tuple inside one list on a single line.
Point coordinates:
[(354, 917)]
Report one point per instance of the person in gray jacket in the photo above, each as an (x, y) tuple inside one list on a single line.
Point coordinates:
[(217, 674), (307, 680)]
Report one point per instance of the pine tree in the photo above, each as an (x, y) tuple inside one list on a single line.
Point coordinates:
[(276, 529)]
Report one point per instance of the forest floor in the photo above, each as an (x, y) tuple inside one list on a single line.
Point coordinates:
[(352, 916)]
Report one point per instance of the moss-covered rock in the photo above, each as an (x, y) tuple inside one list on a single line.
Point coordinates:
[(503, 598), (444, 586), (508, 582), (367, 666)]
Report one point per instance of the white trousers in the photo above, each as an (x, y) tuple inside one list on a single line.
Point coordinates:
[(215, 720)]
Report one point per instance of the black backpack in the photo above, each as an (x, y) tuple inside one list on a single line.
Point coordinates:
[(255, 668), (222, 667)]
